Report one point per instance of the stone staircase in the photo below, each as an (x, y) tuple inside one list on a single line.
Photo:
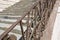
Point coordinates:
[(6, 22), (18, 8), (12, 13)]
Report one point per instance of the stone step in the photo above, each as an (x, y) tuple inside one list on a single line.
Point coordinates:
[(17, 35), (14, 16), (7, 3), (20, 7), (10, 21), (4, 25), (16, 31), (13, 31)]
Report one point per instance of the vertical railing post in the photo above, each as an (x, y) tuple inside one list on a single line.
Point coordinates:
[(39, 10), (39, 32), (22, 30), (34, 19), (32, 22), (28, 27)]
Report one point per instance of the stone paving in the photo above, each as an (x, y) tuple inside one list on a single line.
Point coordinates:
[(56, 29), (18, 8)]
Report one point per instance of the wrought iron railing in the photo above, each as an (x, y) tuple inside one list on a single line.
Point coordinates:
[(37, 17)]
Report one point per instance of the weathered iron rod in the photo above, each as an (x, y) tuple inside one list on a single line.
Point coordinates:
[(22, 30)]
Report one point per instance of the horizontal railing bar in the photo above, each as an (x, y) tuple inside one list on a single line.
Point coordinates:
[(22, 30)]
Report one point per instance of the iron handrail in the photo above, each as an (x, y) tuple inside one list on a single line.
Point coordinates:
[(19, 20)]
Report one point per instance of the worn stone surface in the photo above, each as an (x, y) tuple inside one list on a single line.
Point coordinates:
[(19, 8), (47, 34)]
